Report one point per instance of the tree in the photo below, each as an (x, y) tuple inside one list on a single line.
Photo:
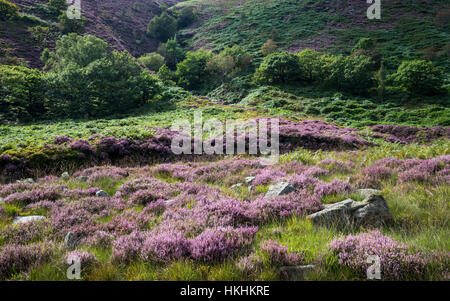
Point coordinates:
[(419, 77), (269, 47), (186, 16), (21, 93), (350, 73), (166, 75), (172, 53), (87, 80), (74, 49), (152, 61), (278, 67), (242, 59), (222, 66), (191, 72), (310, 64), (367, 47), (8, 10), (162, 27)]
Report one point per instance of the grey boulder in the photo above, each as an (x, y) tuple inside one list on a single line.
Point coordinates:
[(102, 194), (371, 212), (279, 189), (367, 192), (27, 219), (70, 241), (65, 175), (249, 180)]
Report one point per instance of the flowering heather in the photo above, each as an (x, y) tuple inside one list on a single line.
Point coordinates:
[(302, 181), (143, 197), (19, 258), (166, 246), (407, 134), (249, 264), (87, 259), (127, 248), (129, 188), (398, 262), (156, 207), (16, 187), (316, 171), (335, 186), (103, 172), (33, 196), (100, 239), (278, 254), (81, 193), (267, 176), (216, 244), (25, 233)]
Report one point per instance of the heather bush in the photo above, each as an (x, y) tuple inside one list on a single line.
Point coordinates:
[(398, 261), (87, 260), (217, 244), (250, 264), (164, 247), (278, 254), (127, 248), (334, 187), (20, 258)]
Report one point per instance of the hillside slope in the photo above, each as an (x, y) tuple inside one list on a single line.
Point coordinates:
[(120, 23), (407, 29)]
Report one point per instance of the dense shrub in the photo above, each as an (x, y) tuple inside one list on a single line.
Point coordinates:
[(419, 77), (89, 81), (152, 61), (191, 72), (221, 66), (278, 67), (185, 17), (21, 93), (172, 53), (242, 59), (310, 64), (162, 27), (350, 73), (8, 10)]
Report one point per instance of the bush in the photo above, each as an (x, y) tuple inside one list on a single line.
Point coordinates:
[(279, 67), (152, 61), (191, 72), (172, 53), (269, 47), (242, 59), (350, 73), (8, 10), (419, 77), (310, 64), (21, 93), (222, 66), (162, 27), (186, 16)]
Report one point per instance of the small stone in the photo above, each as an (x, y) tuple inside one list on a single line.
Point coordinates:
[(102, 194), (82, 178), (238, 185), (296, 273), (65, 175), (279, 189), (28, 180), (169, 202), (249, 180), (70, 241), (27, 219), (1, 201)]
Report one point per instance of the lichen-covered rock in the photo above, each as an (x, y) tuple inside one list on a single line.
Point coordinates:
[(70, 241), (102, 194), (27, 219), (367, 192), (371, 212), (279, 189)]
